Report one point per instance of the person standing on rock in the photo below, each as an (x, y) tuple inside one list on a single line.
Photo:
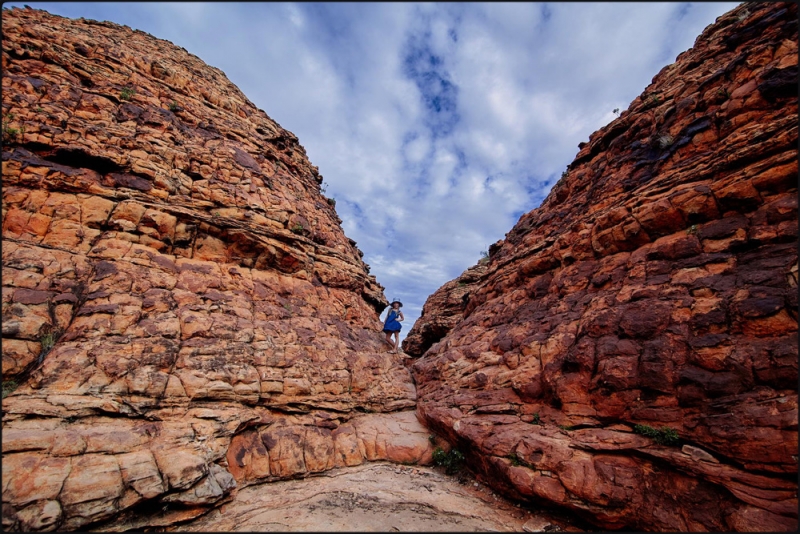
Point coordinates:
[(393, 326)]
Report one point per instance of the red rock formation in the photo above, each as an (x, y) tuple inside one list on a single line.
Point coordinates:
[(655, 286), (180, 304), (442, 311)]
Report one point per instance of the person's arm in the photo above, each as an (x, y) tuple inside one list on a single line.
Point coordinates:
[(400, 316)]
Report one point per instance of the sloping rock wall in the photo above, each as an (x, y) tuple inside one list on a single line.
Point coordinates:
[(182, 312), (630, 352)]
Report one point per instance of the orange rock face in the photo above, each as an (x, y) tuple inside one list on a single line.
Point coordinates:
[(181, 307), (655, 286), (442, 311)]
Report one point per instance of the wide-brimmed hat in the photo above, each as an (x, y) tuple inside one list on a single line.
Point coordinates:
[(397, 301)]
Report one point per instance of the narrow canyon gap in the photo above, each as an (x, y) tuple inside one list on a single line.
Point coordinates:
[(184, 317)]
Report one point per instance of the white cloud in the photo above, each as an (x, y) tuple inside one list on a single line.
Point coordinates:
[(295, 15)]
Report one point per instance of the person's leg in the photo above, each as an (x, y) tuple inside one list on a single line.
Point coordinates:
[(389, 339), (396, 341)]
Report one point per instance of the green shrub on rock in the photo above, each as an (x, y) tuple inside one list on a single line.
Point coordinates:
[(662, 436), (451, 461)]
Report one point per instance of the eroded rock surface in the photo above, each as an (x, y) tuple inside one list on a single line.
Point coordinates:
[(656, 285), (373, 498), (181, 307), (442, 311)]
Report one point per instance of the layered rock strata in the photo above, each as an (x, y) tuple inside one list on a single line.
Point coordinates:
[(442, 311), (631, 351), (182, 312)]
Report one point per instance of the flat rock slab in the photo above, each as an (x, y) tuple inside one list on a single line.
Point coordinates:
[(377, 497)]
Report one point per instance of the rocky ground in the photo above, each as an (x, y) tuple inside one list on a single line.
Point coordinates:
[(377, 497)]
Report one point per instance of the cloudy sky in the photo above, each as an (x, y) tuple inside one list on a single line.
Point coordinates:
[(435, 126)]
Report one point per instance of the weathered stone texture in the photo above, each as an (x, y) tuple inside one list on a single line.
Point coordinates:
[(173, 282), (442, 311), (656, 285)]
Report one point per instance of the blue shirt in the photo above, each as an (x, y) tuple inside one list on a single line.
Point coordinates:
[(392, 324)]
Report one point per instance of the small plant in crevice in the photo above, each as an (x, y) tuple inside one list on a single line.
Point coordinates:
[(47, 340), (536, 420), (743, 15), (723, 94), (331, 201), (451, 461), (615, 111), (664, 140), (298, 229), (127, 93), (662, 436), (173, 107), (38, 109), (8, 387), (566, 428), (692, 230), (484, 257), (8, 131), (517, 461)]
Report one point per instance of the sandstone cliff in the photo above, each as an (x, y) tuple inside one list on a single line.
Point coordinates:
[(442, 311), (630, 352), (182, 312)]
